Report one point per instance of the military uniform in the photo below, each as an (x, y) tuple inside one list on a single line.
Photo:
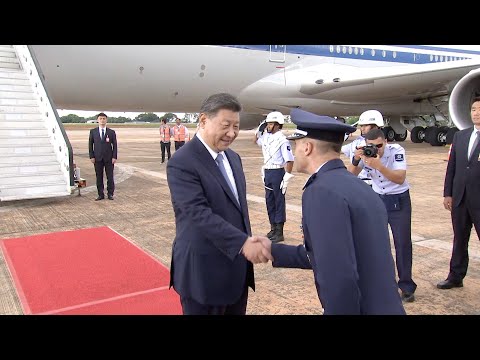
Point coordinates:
[(349, 151), (346, 240), (396, 198)]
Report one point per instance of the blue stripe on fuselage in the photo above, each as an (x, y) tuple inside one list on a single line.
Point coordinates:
[(364, 53)]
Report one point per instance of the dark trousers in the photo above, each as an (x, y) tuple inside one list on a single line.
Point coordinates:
[(108, 166), (274, 198), (463, 216), (179, 144), (165, 146), (191, 307), (399, 209)]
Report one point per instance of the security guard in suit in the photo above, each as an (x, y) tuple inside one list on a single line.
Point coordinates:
[(387, 166), (345, 225), (276, 170), (368, 120)]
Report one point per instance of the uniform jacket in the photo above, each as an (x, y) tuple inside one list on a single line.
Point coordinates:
[(346, 243), (106, 149), (211, 227), (463, 175)]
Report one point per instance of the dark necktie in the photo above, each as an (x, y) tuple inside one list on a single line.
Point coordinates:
[(475, 144), (103, 134), (219, 161)]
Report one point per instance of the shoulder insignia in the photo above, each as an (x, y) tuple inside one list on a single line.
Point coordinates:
[(398, 157)]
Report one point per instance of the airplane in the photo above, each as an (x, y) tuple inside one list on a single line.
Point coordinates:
[(423, 89)]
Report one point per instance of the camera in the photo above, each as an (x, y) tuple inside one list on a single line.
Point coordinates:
[(370, 150)]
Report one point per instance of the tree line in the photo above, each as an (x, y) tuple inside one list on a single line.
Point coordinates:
[(144, 117)]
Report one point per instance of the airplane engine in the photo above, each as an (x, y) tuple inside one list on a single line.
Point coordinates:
[(461, 99), (250, 121)]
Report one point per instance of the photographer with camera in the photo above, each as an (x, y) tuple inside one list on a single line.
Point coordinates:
[(368, 120), (387, 167)]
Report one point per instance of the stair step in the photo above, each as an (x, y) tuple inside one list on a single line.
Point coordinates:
[(34, 191), (23, 159), (8, 54), (9, 109), (24, 137), (9, 59), (11, 74), (18, 102), (14, 81), (7, 48), (33, 179), (30, 169), (20, 117), (6, 150), (16, 88), (18, 125), (7, 65), (27, 95)]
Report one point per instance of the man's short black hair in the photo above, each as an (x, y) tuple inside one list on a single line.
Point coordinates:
[(101, 114), (375, 134)]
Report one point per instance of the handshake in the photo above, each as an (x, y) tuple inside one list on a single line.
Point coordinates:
[(257, 249)]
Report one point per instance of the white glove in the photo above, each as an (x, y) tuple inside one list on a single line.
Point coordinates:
[(284, 183), (261, 128), (263, 175)]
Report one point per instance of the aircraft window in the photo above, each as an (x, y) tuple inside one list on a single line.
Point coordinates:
[(350, 50), (355, 51), (431, 57), (436, 58), (331, 49), (344, 49), (373, 52), (338, 49), (384, 53), (394, 54), (361, 51)]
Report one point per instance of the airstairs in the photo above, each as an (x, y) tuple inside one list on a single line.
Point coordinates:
[(35, 154)]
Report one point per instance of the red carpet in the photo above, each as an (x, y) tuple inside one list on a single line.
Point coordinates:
[(88, 271)]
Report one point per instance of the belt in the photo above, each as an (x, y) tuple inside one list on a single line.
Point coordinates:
[(271, 167)]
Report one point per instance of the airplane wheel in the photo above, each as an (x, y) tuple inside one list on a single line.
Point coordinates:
[(433, 136), (401, 137), (417, 135), (450, 133), (389, 133)]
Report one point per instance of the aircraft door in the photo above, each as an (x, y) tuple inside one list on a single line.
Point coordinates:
[(278, 53)]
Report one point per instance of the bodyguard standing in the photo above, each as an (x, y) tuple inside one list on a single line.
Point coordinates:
[(102, 149), (462, 195), (346, 240), (165, 134)]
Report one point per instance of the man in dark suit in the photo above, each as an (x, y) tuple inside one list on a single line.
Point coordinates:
[(209, 269), (462, 195), (102, 149), (345, 226)]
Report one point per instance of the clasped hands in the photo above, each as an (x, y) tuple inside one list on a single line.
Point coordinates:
[(258, 249)]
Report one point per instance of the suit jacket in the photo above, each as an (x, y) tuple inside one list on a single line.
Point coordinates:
[(211, 227), (106, 149), (346, 243), (463, 175)]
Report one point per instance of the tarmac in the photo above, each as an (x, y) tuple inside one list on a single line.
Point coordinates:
[(142, 212)]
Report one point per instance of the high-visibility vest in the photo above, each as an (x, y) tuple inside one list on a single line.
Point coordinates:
[(179, 133), (165, 133)]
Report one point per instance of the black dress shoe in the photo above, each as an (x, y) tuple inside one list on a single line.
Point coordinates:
[(100, 198), (110, 197), (408, 297), (448, 284)]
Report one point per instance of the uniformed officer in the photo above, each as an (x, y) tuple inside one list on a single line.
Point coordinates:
[(388, 170), (368, 120), (345, 225), (276, 170)]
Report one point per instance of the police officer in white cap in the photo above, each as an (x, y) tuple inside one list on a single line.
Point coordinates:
[(276, 170), (368, 120), (346, 240), (387, 166)]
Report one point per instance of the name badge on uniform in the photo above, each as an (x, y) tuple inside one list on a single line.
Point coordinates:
[(107, 139)]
